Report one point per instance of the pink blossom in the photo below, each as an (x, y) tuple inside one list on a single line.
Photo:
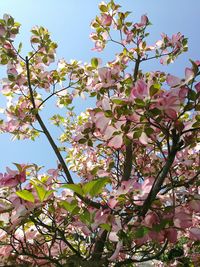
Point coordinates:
[(197, 62), (116, 142), (182, 218), (189, 75), (194, 233), (112, 202), (108, 133), (100, 218), (146, 186), (159, 237), (143, 22), (104, 103), (171, 235), (105, 77), (195, 205), (173, 81), (129, 36), (170, 101), (113, 237), (101, 121), (12, 70), (5, 250), (125, 187), (12, 178), (143, 138), (151, 219), (197, 87), (117, 250), (139, 90), (106, 20), (99, 44)]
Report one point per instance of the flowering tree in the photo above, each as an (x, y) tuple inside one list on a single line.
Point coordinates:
[(136, 153)]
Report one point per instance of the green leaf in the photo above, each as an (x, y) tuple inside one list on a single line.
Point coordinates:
[(26, 195), (19, 47), (154, 112), (19, 167), (192, 95), (137, 133), (94, 62), (140, 102), (142, 231), (74, 187), (103, 8), (119, 101), (68, 206), (95, 187), (82, 141), (10, 21), (86, 217), (14, 30), (105, 226), (41, 192), (149, 131), (108, 113), (161, 225), (194, 66), (154, 89)]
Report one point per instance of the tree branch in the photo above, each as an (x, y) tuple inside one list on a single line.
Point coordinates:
[(99, 246), (156, 256), (53, 145), (45, 130), (161, 176), (129, 148)]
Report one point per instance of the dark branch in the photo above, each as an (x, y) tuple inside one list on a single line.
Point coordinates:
[(129, 148), (156, 256), (161, 176), (45, 130), (99, 246)]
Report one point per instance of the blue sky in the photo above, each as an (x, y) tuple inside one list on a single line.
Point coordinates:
[(68, 21)]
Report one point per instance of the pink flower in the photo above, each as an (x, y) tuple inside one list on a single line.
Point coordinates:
[(113, 237), (117, 250), (156, 236), (197, 87), (143, 138), (129, 37), (126, 187), (105, 76), (140, 90), (197, 62), (143, 22), (173, 81), (151, 219), (106, 20), (101, 121), (189, 75), (182, 218), (112, 202), (169, 102), (116, 142), (195, 205), (194, 233), (99, 46), (171, 235), (12, 70), (12, 178)]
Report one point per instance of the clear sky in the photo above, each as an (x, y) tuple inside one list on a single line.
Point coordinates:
[(69, 21)]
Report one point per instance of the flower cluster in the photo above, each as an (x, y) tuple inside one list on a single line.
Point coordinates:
[(127, 190)]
